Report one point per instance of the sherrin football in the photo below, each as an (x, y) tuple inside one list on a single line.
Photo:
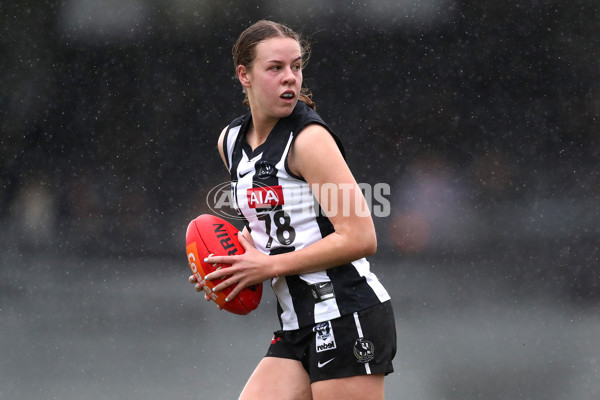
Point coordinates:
[(206, 235)]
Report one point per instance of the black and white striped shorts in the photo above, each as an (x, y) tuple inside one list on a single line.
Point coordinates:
[(361, 343)]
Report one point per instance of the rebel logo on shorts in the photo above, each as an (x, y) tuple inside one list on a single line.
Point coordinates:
[(324, 339), (267, 196), (364, 350)]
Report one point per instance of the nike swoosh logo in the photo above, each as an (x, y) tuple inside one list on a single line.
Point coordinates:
[(321, 365), (243, 175)]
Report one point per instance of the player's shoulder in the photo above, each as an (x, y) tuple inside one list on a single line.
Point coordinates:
[(314, 133), (222, 135), (314, 145), (315, 138), (221, 147)]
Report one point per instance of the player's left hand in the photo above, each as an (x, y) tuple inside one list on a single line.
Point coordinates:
[(246, 269)]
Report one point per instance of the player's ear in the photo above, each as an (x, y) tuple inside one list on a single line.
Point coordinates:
[(242, 73)]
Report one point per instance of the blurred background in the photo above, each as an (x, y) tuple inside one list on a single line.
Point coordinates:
[(481, 116)]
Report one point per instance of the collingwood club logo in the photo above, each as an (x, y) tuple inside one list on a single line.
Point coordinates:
[(364, 350), (265, 170)]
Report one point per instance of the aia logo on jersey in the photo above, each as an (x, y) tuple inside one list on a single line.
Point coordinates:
[(267, 196)]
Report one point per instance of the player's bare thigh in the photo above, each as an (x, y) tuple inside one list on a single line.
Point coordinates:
[(278, 379), (363, 387)]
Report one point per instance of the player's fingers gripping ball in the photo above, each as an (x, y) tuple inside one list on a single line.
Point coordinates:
[(210, 235)]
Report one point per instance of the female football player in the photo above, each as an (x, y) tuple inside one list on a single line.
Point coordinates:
[(337, 337)]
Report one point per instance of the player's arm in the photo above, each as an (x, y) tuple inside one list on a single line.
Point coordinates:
[(316, 157)]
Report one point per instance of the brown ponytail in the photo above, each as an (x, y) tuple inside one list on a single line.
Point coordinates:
[(306, 96)]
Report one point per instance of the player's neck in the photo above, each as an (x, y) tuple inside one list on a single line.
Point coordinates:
[(259, 132)]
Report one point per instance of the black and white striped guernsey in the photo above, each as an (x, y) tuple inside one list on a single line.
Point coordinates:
[(281, 213)]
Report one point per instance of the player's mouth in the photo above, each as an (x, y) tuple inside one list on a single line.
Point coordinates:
[(288, 95)]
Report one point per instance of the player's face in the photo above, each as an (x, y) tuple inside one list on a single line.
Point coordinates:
[(275, 78)]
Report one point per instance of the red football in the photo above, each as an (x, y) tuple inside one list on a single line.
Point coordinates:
[(208, 235)]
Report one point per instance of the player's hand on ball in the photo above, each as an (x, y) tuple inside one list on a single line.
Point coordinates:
[(209, 239), (246, 269), (198, 287)]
